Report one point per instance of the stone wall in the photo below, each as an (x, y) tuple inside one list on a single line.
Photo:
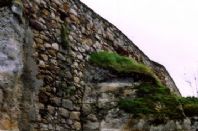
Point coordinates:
[(11, 66), (53, 86)]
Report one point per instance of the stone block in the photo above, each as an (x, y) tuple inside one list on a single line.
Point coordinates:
[(68, 104), (75, 115)]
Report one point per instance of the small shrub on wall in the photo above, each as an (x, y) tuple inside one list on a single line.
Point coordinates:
[(153, 100)]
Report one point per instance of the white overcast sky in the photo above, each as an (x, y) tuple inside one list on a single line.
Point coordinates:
[(165, 30)]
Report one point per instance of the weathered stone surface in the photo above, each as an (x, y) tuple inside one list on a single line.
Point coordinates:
[(92, 117), (75, 115), (55, 101), (55, 46), (112, 86), (7, 124), (64, 112), (87, 109), (53, 61), (77, 126), (76, 79), (72, 11), (41, 63), (52, 53), (92, 126), (67, 104), (51, 109), (37, 25), (44, 57), (11, 68), (47, 45)]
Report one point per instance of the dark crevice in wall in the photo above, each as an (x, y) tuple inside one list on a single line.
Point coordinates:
[(5, 3)]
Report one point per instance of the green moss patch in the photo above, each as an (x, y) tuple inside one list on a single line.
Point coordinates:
[(122, 64)]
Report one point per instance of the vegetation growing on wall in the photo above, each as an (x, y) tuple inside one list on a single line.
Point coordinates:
[(64, 35), (190, 105), (122, 64), (160, 103), (153, 100)]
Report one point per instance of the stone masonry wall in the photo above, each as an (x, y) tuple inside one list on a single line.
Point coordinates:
[(59, 89), (62, 69)]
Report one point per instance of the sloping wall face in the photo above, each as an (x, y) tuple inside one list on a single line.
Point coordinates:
[(86, 30), (47, 82)]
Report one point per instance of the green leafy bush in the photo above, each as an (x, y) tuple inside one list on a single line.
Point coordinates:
[(136, 106), (121, 64), (188, 100), (190, 105), (159, 102), (147, 89), (154, 100)]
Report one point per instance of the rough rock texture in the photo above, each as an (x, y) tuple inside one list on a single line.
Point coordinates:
[(47, 82), (11, 67)]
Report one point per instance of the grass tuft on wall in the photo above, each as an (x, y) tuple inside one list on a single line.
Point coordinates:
[(122, 64)]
